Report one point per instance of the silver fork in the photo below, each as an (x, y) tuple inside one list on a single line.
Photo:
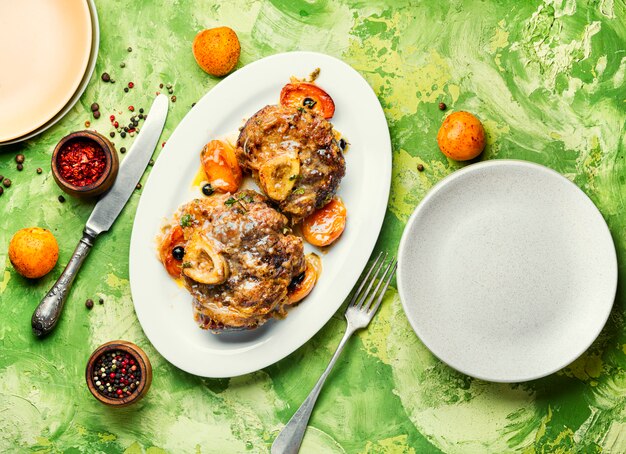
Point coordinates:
[(359, 314)]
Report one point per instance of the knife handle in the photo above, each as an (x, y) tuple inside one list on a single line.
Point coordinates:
[(49, 310)]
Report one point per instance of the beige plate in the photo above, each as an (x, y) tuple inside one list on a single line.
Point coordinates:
[(44, 51)]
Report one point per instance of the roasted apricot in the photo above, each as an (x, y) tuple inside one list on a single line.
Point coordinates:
[(171, 259), (461, 136), (220, 166), (326, 224), (33, 252), (308, 96), (216, 50), (303, 284)]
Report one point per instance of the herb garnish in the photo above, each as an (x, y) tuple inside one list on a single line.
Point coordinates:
[(299, 191), (186, 265), (240, 200), (185, 220)]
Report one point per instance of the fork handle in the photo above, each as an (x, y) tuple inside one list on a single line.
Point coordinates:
[(290, 438)]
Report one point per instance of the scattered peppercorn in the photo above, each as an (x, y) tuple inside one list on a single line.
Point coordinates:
[(141, 110), (141, 116), (95, 107), (174, 98), (19, 158), (131, 85), (123, 134), (39, 170), (20, 167), (151, 162), (138, 187), (131, 108), (96, 114), (89, 304), (1, 190), (193, 104), (170, 91), (160, 85), (442, 106), (112, 81), (207, 189), (61, 199), (420, 167), (101, 301), (130, 49), (112, 133), (123, 150), (122, 65), (168, 86), (87, 124), (106, 77), (125, 89), (6, 182)]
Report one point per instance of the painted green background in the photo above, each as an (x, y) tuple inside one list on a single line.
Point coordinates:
[(547, 80)]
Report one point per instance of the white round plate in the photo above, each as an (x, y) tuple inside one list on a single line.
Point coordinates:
[(164, 308), (507, 271), (91, 65), (44, 53)]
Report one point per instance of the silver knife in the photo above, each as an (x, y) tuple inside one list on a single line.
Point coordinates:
[(103, 215)]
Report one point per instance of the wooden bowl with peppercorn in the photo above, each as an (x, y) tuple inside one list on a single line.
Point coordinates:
[(118, 373), (84, 164)]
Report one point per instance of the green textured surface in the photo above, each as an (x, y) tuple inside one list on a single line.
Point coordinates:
[(547, 79)]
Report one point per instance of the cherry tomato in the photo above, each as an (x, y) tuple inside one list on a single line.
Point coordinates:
[(326, 224), (308, 96), (220, 166), (174, 238), (303, 285)]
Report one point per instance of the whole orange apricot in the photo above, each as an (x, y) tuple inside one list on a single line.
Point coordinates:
[(33, 252), (216, 50), (461, 136)]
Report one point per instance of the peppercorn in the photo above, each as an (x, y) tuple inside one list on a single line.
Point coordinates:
[(96, 114), (61, 199), (141, 110), (123, 150), (106, 77), (138, 186), (19, 158), (141, 116), (193, 104), (442, 106), (100, 301), (1, 178), (420, 168), (123, 134), (174, 98), (112, 133), (87, 123), (131, 85), (178, 253), (1, 190), (89, 303), (160, 85), (130, 49), (112, 81), (95, 107), (207, 189), (125, 89), (131, 108), (39, 170), (6, 182), (168, 86), (20, 167), (151, 162), (122, 65), (170, 91)]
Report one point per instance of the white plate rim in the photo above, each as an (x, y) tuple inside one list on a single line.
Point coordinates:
[(424, 202), (375, 221)]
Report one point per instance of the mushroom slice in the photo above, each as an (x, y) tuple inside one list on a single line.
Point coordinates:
[(203, 263), (278, 175)]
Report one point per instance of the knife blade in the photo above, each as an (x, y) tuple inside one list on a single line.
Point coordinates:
[(103, 216)]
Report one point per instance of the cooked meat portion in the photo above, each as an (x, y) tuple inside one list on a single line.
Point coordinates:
[(238, 261), (293, 156)]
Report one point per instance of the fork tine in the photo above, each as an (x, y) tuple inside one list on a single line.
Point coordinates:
[(364, 281), (381, 279), (382, 294), (363, 296)]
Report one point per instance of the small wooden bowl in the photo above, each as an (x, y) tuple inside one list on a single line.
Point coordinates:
[(142, 362), (107, 178)]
